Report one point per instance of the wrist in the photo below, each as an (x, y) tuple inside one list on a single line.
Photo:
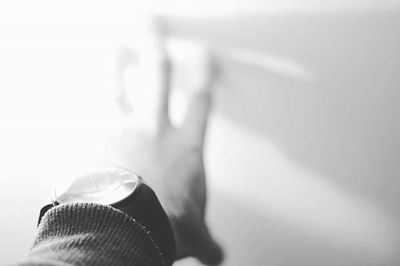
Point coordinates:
[(125, 191)]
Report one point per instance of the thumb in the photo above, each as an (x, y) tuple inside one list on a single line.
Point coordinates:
[(209, 252)]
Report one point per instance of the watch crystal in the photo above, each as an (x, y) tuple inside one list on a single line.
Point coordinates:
[(103, 187)]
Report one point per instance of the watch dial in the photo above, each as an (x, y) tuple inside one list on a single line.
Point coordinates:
[(107, 186)]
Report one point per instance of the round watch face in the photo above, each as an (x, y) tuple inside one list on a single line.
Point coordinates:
[(107, 187)]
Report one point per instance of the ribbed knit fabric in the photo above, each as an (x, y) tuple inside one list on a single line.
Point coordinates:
[(91, 234)]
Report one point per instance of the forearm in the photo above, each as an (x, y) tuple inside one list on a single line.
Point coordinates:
[(91, 234)]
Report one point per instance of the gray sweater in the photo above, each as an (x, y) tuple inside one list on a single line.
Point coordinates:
[(91, 234)]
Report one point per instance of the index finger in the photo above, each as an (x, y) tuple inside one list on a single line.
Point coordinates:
[(163, 69), (196, 118)]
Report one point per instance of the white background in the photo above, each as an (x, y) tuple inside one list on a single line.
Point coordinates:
[(304, 143)]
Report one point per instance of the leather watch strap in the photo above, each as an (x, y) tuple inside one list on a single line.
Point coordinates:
[(146, 209)]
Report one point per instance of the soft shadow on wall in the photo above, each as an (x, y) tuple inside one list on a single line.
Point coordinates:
[(335, 110), (344, 119)]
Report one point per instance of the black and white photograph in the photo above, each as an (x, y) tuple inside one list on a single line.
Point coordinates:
[(189, 133)]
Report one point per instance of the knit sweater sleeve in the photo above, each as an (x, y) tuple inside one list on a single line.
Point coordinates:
[(91, 234)]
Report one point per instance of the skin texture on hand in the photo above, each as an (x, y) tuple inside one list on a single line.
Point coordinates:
[(170, 158)]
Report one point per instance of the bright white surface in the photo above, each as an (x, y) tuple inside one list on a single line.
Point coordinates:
[(281, 193)]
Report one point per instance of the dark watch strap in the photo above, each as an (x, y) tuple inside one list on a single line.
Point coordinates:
[(146, 209)]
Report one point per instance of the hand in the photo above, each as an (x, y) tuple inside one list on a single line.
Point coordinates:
[(170, 159)]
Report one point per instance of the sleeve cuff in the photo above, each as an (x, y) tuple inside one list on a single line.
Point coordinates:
[(94, 234)]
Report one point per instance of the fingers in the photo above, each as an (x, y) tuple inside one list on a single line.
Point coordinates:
[(164, 71), (125, 57), (195, 121)]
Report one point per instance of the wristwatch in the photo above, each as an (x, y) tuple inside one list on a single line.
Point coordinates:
[(125, 191)]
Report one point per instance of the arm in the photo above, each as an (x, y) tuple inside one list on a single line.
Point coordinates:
[(170, 158)]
